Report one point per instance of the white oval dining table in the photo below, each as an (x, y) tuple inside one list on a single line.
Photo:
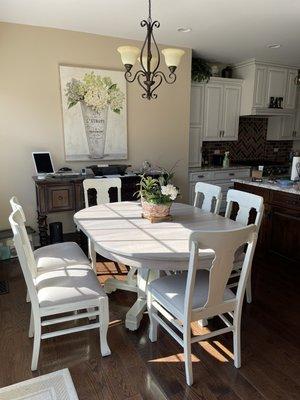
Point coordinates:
[(119, 233)]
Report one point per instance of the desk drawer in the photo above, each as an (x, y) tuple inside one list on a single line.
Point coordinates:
[(231, 174), (60, 198), (201, 176)]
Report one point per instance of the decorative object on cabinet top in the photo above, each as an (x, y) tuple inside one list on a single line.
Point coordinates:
[(201, 70)]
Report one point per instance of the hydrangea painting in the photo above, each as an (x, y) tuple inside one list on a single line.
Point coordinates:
[(94, 113)]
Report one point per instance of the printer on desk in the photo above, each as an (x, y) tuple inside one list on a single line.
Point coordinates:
[(116, 169)]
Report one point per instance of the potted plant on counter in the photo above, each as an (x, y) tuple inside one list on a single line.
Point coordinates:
[(157, 196)]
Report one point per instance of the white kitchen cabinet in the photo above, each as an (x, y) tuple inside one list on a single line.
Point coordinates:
[(231, 111), (222, 102), (291, 90), (262, 81), (213, 111), (285, 127), (196, 109), (276, 83), (195, 146)]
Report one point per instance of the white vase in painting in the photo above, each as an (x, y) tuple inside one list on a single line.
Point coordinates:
[(95, 123)]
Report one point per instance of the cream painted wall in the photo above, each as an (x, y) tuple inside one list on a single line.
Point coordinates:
[(31, 117)]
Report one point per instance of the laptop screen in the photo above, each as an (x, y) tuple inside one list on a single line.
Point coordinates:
[(43, 163)]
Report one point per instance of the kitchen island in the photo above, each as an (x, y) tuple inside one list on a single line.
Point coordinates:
[(280, 228)]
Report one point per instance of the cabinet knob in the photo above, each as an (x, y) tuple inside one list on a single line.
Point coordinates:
[(200, 176), (60, 197), (231, 174)]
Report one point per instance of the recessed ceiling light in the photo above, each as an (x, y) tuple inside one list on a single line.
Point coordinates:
[(274, 46), (183, 29)]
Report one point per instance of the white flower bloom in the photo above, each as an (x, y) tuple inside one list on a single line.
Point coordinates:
[(169, 190)]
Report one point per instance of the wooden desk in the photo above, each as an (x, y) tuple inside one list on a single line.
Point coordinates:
[(66, 194)]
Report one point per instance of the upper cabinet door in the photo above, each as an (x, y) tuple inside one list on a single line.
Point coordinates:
[(297, 115), (259, 99), (276, 83), (197, 100), (213, 111), (231, 111), (281, 128), (195, 144), (291, 89)]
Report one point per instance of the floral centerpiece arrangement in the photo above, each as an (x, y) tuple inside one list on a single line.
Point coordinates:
[(157, 196), (96, 95)]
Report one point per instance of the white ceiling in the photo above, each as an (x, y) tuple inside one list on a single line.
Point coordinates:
[(222, 30)]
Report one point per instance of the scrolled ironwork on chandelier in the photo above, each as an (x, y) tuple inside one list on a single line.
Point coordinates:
[(149, 76)]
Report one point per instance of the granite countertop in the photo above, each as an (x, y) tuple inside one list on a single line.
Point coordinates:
[(216, 168), (267, 185)]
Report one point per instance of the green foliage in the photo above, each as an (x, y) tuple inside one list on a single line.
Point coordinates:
[(201, 71), (150, 190)]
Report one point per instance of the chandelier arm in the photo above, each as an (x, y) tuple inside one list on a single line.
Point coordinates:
[(144, 86), (145, 23), (152, 94), (157, 25), (128, 75), (170, 79)]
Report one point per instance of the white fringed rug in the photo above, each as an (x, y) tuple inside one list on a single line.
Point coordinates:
[(55, 386)]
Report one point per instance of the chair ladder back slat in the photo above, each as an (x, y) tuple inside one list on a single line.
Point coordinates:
[(102, 187)]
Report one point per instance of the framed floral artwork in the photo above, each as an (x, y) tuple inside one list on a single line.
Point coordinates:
[(94, 107)]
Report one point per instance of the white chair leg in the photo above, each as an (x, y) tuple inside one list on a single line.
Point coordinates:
[(27, 297), (153, 323), (36, 344), (104, 322), (31, 326), (249, 290), (187, 355), (237, 342), (93, 256)]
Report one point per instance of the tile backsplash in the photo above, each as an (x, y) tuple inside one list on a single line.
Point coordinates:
[(252, 143)]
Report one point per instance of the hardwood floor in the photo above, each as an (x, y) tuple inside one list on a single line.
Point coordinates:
[(139, 369)]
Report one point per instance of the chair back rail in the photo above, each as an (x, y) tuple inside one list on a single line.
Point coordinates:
[(209, 192), (102, 187), (246, 202)]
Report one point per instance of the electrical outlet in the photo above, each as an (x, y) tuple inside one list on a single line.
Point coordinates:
[(276, 149)]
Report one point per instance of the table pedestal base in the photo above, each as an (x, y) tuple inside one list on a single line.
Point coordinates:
[(135, 314)]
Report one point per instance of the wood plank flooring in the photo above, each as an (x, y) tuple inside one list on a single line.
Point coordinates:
[(139, 369)]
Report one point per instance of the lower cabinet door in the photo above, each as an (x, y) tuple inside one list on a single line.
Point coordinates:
[(284, 233)]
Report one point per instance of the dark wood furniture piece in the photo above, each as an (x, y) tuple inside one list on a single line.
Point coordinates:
[(66, 194), (280, 228)]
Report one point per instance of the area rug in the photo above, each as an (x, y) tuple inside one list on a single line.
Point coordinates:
[(55, 386)]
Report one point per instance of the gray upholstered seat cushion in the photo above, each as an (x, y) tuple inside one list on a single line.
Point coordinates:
[(67, 285), (60, 255), (171, 290)]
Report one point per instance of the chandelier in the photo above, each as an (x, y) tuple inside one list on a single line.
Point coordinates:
[(149, 76)]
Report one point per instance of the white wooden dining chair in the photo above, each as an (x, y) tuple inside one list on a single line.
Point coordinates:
[(54, 255), (200, 294), (64, 290), (246, 202), (102, 187), (211, 194)]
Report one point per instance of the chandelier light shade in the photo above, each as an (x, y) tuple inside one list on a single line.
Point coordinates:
[(129, 55), (149, 76)]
